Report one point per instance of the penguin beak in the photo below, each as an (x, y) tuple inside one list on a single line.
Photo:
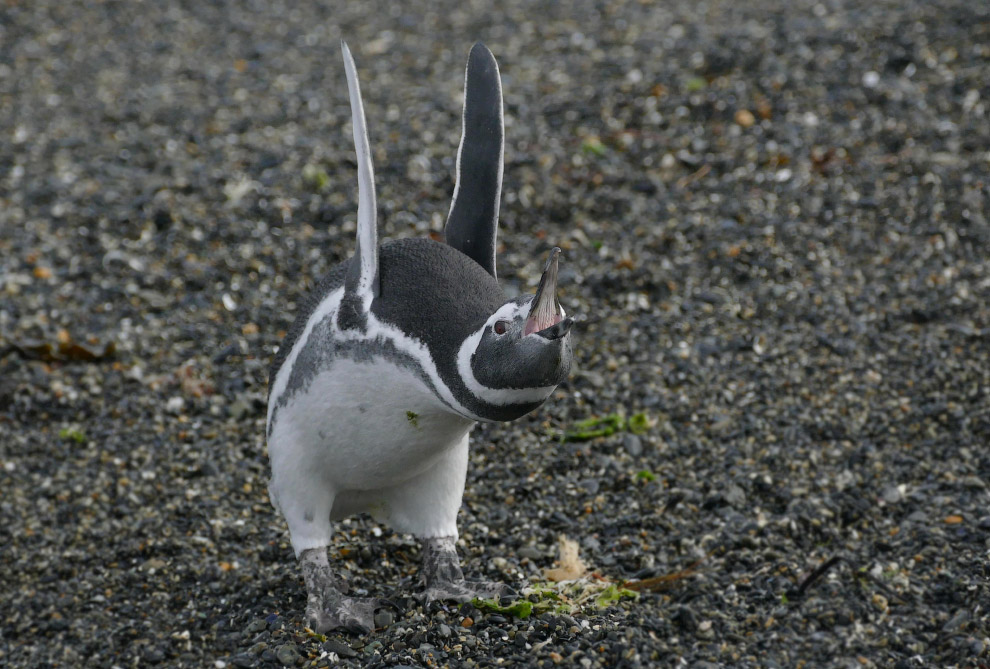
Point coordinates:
[(546, 318)]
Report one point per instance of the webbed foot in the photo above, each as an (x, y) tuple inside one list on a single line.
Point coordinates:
[(465, 590), (350, 614), (327, 608), (444, 579)]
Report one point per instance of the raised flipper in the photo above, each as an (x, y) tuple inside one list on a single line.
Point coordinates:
[(473, 220), (362, 275)]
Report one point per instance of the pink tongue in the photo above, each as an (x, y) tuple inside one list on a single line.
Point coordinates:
[(543, 318)]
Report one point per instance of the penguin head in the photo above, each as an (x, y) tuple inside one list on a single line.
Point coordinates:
[(523, 351)]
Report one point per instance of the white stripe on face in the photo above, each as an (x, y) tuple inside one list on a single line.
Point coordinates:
[(497, 396)]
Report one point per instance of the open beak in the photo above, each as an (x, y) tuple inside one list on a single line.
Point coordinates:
[(546, 318)]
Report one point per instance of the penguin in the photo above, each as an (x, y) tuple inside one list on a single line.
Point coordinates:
[(395, 355)]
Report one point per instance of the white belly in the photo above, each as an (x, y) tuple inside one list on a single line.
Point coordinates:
[(363, 426)]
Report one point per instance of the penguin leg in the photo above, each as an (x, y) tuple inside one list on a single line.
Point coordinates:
[(426, 507), (327, 608), (299, 492)]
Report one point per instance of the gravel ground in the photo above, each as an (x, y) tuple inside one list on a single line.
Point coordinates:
[(774, 220)]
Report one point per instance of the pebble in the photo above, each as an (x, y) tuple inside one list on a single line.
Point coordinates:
[(339, 647), (287, 654), (632, 444), (243, 661), (384, 618), (735, 496)]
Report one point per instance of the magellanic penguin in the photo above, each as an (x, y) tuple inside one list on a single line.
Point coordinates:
[(394, 357)]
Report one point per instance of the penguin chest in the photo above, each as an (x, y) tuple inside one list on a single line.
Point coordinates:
[(367, 424)]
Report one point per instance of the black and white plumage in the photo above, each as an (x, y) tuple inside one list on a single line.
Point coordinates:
[(394, 357)]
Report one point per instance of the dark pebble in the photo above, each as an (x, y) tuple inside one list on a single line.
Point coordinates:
[(332, 645), (287, 654), (633, 445), (384, 618), (243, 661)]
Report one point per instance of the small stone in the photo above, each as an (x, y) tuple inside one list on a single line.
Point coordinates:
[(892, 494), (685, 619), (238, 409), (531, 552), (467, 622), (957, 621), (242, 661), (705, 630), (383, 618), (633, 445), (745, 118), (974, 483), (590, 486), (154, 655), (255, 626), (735, 496), (287, 654)]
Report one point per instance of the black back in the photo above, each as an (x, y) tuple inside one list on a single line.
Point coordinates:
[(434, 293)]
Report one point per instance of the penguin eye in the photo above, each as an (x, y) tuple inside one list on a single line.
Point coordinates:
[(500, 327)]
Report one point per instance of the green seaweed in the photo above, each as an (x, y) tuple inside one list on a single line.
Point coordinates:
[(592, 428), (695, 84), (612, 594), (315, 177), (593, 146), (638, 423), (413, 418), (521, 609), (645, 475), (72, 433)]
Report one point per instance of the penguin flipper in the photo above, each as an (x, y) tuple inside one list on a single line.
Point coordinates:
[(472, 223), (362, 274)]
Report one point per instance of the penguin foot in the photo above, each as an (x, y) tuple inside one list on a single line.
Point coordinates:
[(445, 581), (465, 590), (349, 614), (327, 608)]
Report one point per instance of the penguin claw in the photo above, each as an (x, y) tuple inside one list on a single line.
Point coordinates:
[(352, 614), (465, 590)]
